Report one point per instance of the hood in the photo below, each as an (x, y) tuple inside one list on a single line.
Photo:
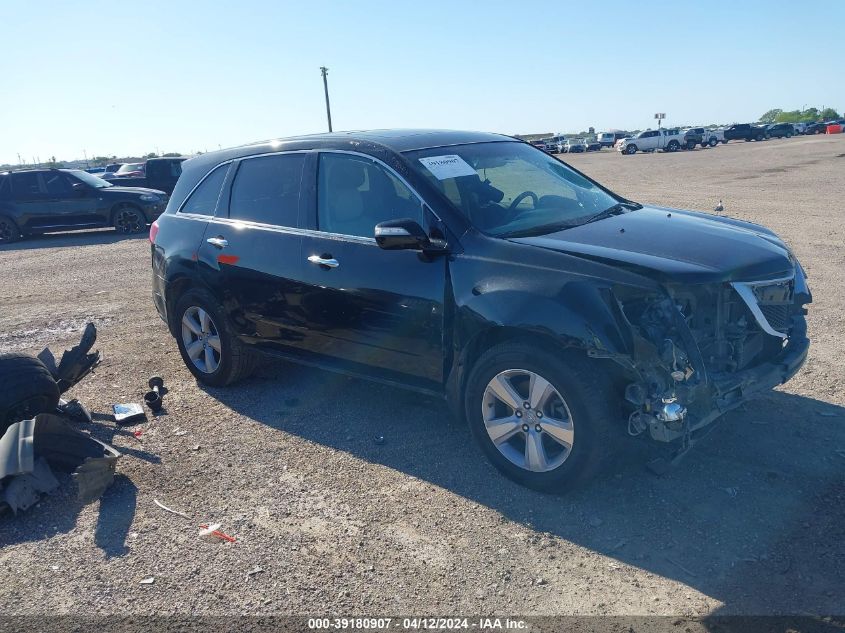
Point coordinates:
[(672, 245), (122, 191)]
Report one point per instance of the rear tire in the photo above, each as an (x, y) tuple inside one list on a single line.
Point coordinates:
[(587, 405), (713, 142), (28, 389), (129, 219), (216, 363), (9, 231)]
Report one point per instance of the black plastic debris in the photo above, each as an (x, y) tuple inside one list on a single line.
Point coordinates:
[(76, 363), (31, 449)]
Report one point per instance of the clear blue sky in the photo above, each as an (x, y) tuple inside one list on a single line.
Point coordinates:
[(125, 77)]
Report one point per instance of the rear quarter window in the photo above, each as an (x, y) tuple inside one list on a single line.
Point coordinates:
[(203, 200), (5, 188)]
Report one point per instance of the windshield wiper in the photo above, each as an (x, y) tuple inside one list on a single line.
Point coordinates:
[(542, 229), (617, 209)]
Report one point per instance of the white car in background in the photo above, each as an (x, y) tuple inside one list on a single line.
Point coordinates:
[(574, 145), (670, 140)]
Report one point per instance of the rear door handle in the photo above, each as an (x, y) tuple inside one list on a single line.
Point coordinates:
[(320, 261), (219, 242)]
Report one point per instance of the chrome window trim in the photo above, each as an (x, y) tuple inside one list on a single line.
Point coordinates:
[(291, 230), (745, 289)]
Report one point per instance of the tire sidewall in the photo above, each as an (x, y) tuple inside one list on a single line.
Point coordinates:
[(15, 231), (583, 457), (201, 299)]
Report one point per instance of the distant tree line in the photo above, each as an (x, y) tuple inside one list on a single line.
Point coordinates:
[(810, 115)]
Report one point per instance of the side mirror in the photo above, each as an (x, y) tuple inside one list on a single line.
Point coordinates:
[(402, 234)]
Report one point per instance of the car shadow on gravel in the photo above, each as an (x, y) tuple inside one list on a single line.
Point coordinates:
[(71, 239), (753, 517)]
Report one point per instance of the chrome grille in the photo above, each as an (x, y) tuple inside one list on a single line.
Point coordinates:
[(777, 315), (769, 302)]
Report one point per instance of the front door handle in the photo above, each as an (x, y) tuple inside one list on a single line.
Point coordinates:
[(321, 261), (219, 242)]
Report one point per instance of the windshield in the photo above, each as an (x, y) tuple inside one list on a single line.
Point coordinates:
[(509, 188), (89, 179)]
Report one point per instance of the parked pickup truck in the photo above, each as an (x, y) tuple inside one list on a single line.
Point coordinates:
[(744, 131), (160, 173), (650, 140)]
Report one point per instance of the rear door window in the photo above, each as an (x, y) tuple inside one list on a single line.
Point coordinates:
[(5, 188), (26, 184), (203, 201), (267, 189)]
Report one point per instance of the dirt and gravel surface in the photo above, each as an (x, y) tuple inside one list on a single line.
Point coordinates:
[(753, 522)]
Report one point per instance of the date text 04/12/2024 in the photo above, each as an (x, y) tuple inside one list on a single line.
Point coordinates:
[(416, 623)]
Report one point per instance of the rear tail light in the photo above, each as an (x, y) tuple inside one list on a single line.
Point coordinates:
[(153, 232)]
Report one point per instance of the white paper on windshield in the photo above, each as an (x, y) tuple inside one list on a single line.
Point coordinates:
[(449, 166)]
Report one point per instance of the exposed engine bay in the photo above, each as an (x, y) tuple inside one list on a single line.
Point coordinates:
[(701, 350)]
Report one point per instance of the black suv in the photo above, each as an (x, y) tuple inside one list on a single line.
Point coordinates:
[(744, 131), (780, 130), (552, 314), (44, 200)]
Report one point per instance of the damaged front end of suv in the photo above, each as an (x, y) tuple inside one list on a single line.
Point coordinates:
[(700, 350)]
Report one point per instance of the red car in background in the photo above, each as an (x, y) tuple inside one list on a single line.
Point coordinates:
[(131, 170)]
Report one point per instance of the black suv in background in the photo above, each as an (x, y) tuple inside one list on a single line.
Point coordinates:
[(780, 130), (744, 131), (45, 200), (553, 315), (159, 173)]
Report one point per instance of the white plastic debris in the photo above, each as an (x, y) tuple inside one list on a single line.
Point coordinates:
[(172, 511), (147, 581)]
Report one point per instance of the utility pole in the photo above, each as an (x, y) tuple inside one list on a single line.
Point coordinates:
[(325, 72)]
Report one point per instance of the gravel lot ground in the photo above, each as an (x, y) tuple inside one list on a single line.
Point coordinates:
[(753, 521)]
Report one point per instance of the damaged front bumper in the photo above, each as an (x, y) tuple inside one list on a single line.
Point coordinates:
[(698, 352)]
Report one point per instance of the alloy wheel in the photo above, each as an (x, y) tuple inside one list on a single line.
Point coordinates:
[(201, 339), (528, 420), (128, 220)]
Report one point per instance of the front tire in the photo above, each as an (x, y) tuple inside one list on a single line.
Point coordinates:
[(544, 420), (713, 142), (631, 149), (129, 219), (209, 347)]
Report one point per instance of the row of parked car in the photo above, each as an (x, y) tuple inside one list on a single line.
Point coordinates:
[(674, 139)]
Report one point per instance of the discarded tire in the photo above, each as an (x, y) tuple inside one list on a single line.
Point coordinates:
[(27, 389)]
